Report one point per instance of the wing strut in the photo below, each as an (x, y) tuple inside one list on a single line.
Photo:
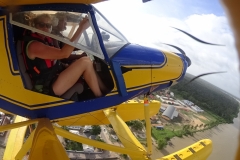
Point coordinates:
[(129, 140), (148, 126)]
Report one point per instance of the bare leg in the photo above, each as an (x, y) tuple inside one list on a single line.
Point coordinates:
[(101, 84), (70, 75)]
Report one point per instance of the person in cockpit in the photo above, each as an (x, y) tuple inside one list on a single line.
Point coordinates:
[(41, 56), (59, 25)]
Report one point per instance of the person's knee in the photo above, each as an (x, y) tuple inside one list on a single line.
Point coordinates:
[(85, 61), (57, 91)]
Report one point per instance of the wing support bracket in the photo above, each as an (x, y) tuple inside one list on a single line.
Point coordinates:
[(127, 138)]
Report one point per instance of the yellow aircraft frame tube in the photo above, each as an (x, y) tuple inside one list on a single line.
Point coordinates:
[(15, 140), (148, 126), (25, 147), (45, 144), (74, 137), (128, 140), (17, 125)]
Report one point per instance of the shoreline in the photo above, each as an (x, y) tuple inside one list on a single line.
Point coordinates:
[(220, 135)]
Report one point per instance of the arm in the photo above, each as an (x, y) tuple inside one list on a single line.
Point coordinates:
[(72, 57), (40, 50)]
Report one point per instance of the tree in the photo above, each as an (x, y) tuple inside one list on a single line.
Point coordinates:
[(96, 130), (161, 143), (124, 156), (99, 139), (196, 126), (129, 123), (72, 145), (208, 97), (65, 128), (137, 125), (205, 125), (186, 127)]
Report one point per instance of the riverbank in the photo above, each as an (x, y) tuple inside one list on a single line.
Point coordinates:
[(224, 137)]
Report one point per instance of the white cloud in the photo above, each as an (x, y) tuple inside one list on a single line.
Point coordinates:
[(151, 30)]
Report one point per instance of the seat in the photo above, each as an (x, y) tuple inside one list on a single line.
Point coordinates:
[(76, 88)]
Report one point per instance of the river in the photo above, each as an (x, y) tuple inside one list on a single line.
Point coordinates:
[(224, 137)]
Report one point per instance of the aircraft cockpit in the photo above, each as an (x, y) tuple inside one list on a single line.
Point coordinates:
[(100, 42)]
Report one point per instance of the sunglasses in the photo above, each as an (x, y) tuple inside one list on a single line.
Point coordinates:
[(42, 25)]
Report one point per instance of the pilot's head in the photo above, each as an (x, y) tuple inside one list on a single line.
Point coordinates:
[(62, 22), (43, 22)]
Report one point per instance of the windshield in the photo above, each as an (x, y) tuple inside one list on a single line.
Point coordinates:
[(112, 38), (62, 28)]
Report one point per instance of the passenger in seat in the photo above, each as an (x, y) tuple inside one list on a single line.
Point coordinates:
[(39, 54), (59, 25)]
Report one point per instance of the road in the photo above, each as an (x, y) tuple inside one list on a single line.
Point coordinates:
[(104, 135)]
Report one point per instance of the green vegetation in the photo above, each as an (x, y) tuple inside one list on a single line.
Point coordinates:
[(72, 145), (137, 125), (96, 130), (99, 139), (124, 156), (161, 143), (219, 107), (208, 97), (163, 136)]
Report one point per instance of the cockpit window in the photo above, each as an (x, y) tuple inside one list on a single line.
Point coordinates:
[(112, 38), (62, 28)]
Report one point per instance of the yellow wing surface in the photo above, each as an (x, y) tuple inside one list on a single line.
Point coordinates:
[(129, 110)]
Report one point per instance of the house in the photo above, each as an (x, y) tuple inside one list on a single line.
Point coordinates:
[(197, 109), (181, 103), (87, 128), (74, 127), (176, 104), (74, 132), (170, 113), (166, 98), (160, 127), (171, 94), (114, 137), (154, 119), (162, 109), (87, 148)]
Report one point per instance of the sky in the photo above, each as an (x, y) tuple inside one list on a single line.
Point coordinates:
[(150, 24)]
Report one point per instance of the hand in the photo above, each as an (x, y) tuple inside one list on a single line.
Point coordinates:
[(84, 24)]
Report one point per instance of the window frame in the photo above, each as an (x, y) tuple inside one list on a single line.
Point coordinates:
[(81, 8)]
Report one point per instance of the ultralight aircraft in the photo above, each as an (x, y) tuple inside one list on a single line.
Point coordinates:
[(128, 70)]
